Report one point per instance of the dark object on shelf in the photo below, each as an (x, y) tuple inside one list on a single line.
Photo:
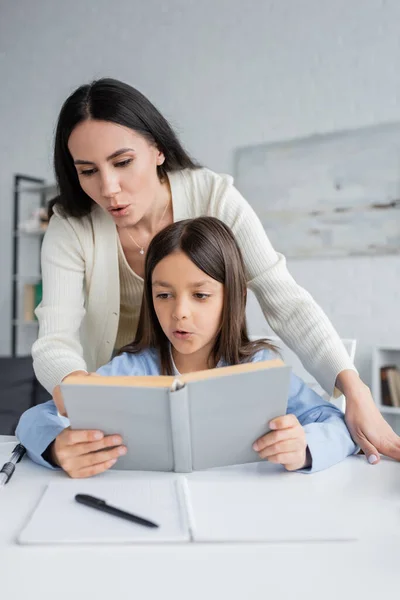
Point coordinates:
[(19, 390)]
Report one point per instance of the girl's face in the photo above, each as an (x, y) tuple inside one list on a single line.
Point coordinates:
[(189, 305), (117, 168)]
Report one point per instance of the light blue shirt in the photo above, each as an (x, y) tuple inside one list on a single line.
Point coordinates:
[(328, 438)]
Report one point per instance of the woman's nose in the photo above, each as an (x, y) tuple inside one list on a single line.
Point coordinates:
[(110, 185)]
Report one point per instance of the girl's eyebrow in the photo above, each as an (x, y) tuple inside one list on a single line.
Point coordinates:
[(196, 284), (161, 284), (113, 155)]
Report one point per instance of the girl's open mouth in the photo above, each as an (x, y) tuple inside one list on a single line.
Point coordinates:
[(181, 335)]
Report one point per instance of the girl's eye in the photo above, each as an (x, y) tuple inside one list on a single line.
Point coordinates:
[(163, 296), (87, 172), (123, 163), (200, 296)]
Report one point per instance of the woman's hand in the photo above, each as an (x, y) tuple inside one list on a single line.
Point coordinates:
[(286, 445), (83, 453), (57, 395), (367, 426)]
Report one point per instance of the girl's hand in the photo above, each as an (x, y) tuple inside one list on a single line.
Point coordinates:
[(286, 445), (83, 453)]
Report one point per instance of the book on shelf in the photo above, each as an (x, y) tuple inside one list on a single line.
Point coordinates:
[(189, 422), (32, 296), (390, 386)]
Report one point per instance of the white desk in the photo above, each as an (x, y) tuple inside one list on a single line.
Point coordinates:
[(366, 569)]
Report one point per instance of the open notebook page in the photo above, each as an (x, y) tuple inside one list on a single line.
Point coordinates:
[(260, 511), (59, 519)]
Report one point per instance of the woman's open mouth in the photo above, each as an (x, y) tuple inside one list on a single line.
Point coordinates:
[(119, 211)]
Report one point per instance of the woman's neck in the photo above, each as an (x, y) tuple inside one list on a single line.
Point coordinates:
[(159, 210)]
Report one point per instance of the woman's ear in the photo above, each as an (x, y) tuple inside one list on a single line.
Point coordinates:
[(160, 158)]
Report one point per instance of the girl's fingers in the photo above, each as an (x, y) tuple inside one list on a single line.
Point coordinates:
[(87, 447), (294, 445), (287, 458), (274, 437), (94, 469)]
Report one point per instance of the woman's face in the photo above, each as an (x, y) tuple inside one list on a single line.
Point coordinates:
[(117, 168)]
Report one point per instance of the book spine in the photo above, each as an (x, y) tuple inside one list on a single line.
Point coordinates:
[(180, 428)]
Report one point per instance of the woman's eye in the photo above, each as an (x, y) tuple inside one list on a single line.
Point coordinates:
[(200, 296), (87, 172), (123, 163), (163, 296)]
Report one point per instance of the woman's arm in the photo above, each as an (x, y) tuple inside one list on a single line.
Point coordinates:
[(289, 309), (58, 350), (301, 324)]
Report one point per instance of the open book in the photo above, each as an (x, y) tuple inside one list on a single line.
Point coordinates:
[(197, 421)]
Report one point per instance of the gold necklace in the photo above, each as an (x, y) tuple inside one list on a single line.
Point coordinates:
[(141, 248)]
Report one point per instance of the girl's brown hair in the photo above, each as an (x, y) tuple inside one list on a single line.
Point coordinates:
[(211, 246)]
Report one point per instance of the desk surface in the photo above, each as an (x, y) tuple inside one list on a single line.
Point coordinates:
[(367, 568)]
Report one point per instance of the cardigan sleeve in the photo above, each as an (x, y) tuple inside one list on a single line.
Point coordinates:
[(58, 350), (289, 309)]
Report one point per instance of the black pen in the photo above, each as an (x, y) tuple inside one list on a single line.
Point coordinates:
[(9, 467), (111, 510)]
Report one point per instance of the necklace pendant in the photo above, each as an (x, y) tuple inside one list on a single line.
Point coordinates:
[(141, 251)]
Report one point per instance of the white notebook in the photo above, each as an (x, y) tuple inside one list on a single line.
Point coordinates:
[(186, 511)]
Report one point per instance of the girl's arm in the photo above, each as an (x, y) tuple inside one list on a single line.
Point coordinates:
[(58, 350), (328, 438), (38, 427)]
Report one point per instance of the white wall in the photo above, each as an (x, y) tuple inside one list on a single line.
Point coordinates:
[(226, 73)]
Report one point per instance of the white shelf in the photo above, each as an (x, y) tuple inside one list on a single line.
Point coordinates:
[(390, 410), (28, 278), (383, 356), (22, 323), (36, 233)]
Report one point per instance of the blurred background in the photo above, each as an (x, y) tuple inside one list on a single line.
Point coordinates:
[(227, 74)]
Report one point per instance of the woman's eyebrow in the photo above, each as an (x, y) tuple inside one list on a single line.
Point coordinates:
[(113, 155)]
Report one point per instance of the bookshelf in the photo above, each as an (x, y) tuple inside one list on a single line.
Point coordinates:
[(30, 195), (383, 356)]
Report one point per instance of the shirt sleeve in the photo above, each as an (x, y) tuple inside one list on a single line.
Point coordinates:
[(328, 438), (289, 309), (37, 428)]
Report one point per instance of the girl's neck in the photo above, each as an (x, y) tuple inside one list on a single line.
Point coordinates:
[(189, 363)]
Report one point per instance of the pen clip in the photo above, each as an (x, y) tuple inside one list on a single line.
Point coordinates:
[(20, 449)]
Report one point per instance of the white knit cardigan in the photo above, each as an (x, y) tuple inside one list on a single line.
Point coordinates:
[(78, 316)]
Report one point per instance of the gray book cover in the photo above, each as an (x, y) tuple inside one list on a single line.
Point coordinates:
[(191, 422)]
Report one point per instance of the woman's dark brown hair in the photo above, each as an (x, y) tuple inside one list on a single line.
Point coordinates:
[(211, 246), (117, 102)]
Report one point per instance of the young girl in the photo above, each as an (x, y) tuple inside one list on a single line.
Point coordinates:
[(193, 318)]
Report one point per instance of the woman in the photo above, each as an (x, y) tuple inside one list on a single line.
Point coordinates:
[(123, 176)]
